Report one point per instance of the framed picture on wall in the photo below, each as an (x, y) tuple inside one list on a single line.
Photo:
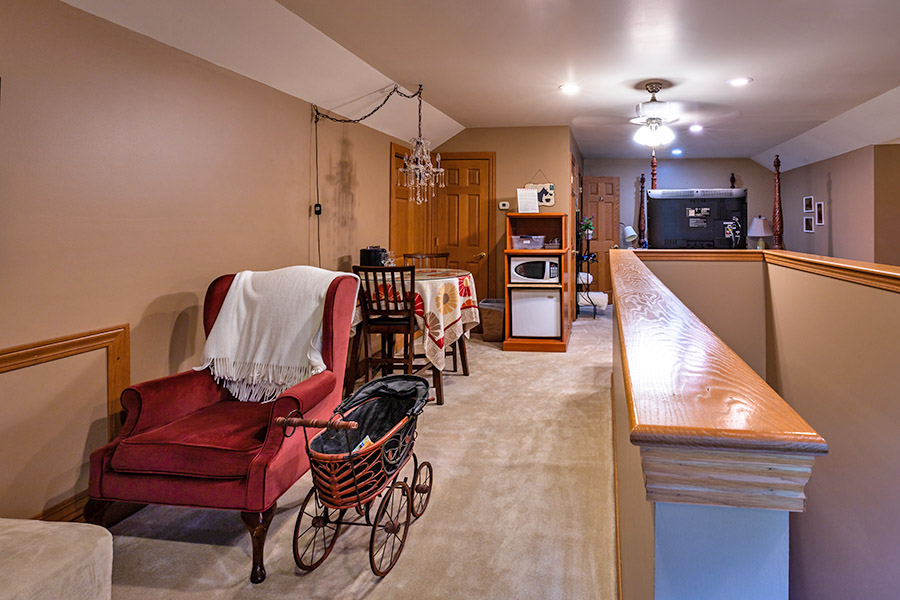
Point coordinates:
[(808, 226), (808, 203), (820, 213)]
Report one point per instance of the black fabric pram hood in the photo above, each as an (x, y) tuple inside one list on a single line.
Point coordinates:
[(377, 406), (398, 387)]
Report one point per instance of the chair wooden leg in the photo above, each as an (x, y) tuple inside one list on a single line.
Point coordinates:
[(455, 352), (368, 359), (410, 350), (352, 371), (389, 354), (463, 355), (438, 385), (258, 526)]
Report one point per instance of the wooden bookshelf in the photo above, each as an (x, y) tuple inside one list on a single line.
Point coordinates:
[(551, 226)]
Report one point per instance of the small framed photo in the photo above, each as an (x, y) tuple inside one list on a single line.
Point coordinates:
[(808, 203), (820, 213), (808, 226)]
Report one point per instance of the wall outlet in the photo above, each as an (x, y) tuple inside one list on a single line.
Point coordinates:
[(504, 206)]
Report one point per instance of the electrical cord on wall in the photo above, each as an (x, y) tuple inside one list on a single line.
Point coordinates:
[(317, 207)]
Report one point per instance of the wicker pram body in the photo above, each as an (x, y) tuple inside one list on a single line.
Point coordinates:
[(386, 410)]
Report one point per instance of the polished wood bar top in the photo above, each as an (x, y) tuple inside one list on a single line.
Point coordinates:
[(685, 387)]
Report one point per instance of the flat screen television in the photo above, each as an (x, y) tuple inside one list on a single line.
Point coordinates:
[(697, 218)]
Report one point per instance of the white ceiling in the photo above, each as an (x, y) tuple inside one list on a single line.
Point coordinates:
[(498, 63)]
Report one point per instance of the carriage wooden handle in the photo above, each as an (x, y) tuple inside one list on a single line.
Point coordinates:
[(320, 423)]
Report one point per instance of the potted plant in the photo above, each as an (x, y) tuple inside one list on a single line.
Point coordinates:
[(586, 227)]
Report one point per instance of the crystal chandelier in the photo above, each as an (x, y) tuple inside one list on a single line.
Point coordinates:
[(418, 173), (653, 117)]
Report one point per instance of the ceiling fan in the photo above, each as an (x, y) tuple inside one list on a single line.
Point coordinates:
[(654, 117)]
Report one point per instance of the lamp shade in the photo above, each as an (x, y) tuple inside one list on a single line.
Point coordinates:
[(759, 227), (630, 233)]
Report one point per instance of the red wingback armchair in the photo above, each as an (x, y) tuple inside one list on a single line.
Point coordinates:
[(187, 442)]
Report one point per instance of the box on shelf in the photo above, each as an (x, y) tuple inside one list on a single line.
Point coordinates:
[(527, 242)]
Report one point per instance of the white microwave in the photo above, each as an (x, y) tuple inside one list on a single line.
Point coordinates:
[(532, 269)]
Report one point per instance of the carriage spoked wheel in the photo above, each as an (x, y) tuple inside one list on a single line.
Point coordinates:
[(422, 485), (315, 532), (390, 528)]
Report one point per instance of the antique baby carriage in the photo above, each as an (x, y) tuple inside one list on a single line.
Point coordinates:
[(358, 456)]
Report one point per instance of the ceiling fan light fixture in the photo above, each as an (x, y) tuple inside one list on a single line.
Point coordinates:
[(570, 89), (654, 134), (740, 81)]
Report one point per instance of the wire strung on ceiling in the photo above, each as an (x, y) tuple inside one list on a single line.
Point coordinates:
[(320, 114)]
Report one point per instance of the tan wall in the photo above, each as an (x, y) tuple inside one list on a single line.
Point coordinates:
[(132, 175), (846, 184), (521, 152), (687, 173), (729, 297), (833, 356), (887, 205)]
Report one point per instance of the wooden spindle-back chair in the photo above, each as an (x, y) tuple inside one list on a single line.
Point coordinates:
[(387, 296), (437, 260)]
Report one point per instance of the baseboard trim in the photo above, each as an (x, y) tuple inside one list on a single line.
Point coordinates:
[(70, 510)]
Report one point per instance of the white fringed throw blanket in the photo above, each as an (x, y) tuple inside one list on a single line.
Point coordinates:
[(268, 335)]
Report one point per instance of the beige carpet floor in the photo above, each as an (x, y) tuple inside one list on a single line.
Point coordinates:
[(522, 506)]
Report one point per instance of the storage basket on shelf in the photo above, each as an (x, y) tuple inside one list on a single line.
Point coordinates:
[(527, 242)]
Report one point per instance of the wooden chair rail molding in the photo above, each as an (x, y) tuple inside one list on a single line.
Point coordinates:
[(702, 255), (711, 430), (885, 277), (118, 361)]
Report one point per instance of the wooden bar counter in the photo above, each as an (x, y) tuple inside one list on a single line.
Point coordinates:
[(704, 429)]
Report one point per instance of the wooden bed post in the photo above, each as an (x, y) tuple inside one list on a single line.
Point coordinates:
[(642, 217), (653, 169), (777, 223)]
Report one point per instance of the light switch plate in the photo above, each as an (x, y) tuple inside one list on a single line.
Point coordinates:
[(504, 206)]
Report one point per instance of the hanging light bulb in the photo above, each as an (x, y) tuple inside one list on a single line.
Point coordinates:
[(418, 174)]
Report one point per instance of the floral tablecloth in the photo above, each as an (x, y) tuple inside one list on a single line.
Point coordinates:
[(446, 308)]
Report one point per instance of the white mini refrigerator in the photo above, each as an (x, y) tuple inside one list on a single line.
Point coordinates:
[(536, 313)]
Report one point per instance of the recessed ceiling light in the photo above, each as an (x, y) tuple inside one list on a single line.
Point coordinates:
[(740, 81), (676, 151), (696, 128), (570, 88)]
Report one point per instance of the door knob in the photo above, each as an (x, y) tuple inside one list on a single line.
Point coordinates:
[(614, 247), (479, 256)]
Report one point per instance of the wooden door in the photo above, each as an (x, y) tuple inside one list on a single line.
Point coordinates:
[(463, 217), (410, 223), (601, 201)]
